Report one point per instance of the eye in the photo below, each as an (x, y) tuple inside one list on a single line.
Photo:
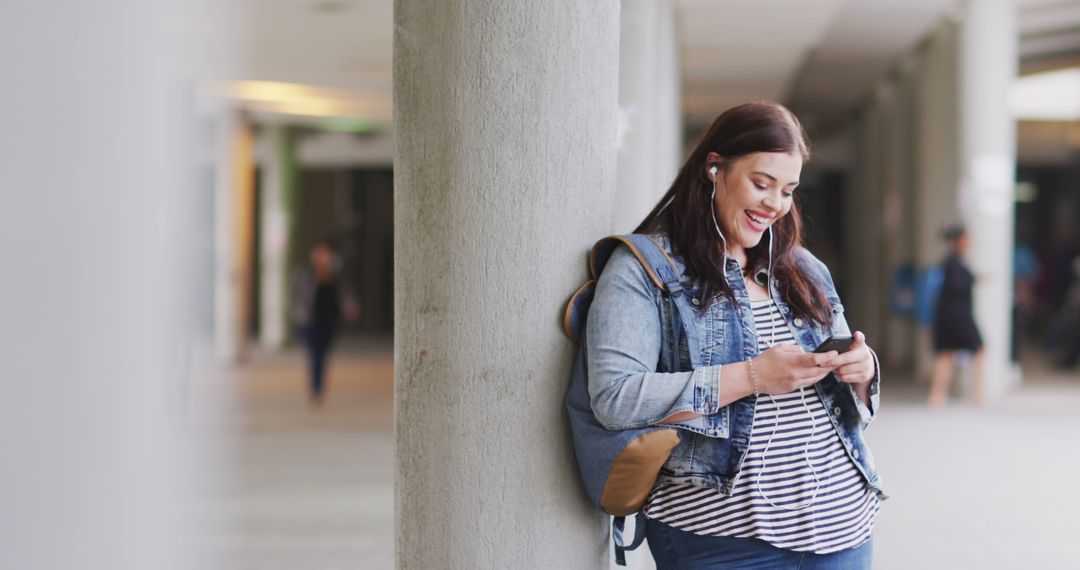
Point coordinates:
[(788, 194), (760, 186)]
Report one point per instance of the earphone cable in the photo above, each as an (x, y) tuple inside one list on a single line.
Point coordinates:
[(776, 420), (802, 390)]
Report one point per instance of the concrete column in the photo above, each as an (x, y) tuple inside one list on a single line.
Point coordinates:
[(96, 233), (650, 108), (670, 151), (988, 58), (865, 302), (936, 158), (504, 174), (234, 209), (877, 257), (278, 188), (897, 214), (881, 213), (854, 207)]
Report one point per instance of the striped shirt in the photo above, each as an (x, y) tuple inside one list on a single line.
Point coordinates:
[(819, 506)]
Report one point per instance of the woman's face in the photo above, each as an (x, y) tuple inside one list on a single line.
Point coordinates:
[(322, 258), (961, 244), (752, 192)]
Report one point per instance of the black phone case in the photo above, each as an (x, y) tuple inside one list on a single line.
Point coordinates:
[(840, 344)]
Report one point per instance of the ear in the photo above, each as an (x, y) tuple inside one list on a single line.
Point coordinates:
[(713, 160)]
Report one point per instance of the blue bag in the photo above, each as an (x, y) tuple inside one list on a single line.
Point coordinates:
[(927, 293), (619, 467)]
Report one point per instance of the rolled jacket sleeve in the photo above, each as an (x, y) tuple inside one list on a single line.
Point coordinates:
[(623, 344), (867, 413)]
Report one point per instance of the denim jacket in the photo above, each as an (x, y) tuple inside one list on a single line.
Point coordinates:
[(624, 345)]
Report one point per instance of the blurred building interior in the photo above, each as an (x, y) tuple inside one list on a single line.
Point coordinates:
[(313, 85), (462, 155), (922, 114)]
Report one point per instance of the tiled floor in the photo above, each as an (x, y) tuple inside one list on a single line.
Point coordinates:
[(311, 489), (994, 488)]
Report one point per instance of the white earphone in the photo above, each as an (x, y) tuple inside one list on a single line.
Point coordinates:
[(712, 208), (802, 392)]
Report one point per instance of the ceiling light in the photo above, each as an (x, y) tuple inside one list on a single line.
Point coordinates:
[(302, 100)]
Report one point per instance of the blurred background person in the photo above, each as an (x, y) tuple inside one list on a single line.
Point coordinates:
[(1064, 331), (320, 297), (954, 324), (1025, 273), (1056, 277)]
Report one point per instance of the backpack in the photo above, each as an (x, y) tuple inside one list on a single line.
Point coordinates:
[(927, 292), (619, 468)]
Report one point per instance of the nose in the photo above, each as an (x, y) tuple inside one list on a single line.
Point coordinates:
[(772, 203)]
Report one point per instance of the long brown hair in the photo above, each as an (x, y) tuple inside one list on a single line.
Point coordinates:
[(685, 211)]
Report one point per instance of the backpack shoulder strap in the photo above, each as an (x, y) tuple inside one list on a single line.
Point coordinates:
[(617, 534), (661, 270), (665, 267), (578, 305), (657, 262), (645, 250), (638, 245)]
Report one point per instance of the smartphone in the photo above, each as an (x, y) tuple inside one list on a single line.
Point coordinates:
[(840, 344)]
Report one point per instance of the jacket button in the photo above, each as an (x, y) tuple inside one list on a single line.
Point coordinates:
[(855, 453), (798, 322), (836, 411), (695, 301)]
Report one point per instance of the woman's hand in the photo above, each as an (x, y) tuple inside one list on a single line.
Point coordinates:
[(856, 366), (784, 368)]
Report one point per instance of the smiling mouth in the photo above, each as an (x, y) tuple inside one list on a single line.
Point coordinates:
[(757, 220)]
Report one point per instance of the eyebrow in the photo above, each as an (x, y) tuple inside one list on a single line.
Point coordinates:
[(773, 178)]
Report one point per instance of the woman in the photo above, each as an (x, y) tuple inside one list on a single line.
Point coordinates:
[(772, 470), (954, 324), (319, 299)]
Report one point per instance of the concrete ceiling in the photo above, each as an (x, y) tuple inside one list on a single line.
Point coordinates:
[(820, 55), (1049, 35), (823, 55), (864, 41), (337, 52), (329, 43), (738, 50), (732, 50)]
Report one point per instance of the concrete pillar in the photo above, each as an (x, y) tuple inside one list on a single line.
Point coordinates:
[(504, 173), (965, 164), (670, 151), (277, 203), (234, 218), (937, 159), (865, 303), (650, 108), (95, 236), (897, 214), (988, 58)]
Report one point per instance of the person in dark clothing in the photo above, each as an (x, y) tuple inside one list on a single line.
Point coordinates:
[(1065, 330), (320, 299), (954, 324)]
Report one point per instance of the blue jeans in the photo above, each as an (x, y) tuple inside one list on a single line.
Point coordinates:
[(674, 549), (317, 338)]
